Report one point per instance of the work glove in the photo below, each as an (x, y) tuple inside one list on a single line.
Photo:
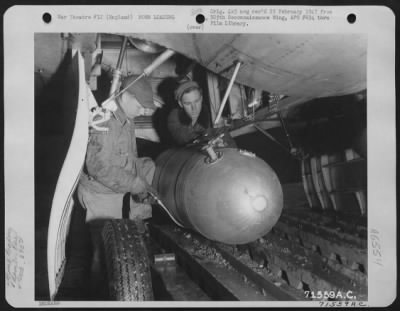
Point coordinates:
[(145, 198), (152, 190), (226, 140), (204, 135)]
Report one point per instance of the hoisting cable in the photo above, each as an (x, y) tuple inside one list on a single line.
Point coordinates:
[(165, 209), (293, 150), (270, 137), (285, 129)]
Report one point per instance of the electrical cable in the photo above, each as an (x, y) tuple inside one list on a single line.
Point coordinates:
[(166, 210)]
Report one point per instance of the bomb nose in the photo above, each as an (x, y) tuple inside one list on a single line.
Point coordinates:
[(259, 203)]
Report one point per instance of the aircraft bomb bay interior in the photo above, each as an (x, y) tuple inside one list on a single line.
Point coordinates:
[(266, 198)]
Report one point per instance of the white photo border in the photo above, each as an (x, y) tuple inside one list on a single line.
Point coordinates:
[(377, 22)]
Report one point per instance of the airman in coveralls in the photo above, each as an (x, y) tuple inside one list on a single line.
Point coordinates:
[(112, 167)]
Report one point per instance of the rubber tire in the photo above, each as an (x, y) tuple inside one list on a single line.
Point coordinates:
[(127, 261)]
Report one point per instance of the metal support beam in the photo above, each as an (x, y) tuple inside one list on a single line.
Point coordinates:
[(228, 90), (117, 71), (146, 72)]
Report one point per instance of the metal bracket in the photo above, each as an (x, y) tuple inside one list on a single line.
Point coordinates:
[(213, 156), (104, 116)]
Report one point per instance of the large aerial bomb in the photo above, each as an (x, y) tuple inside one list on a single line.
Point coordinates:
[(225, 194)]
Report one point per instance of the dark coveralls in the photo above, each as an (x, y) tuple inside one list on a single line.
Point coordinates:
[(183, 134), (180, 132)]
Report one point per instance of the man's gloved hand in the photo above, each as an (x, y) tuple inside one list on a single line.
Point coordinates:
[(226, 140), (205, 135), (145, 196), (151, 189), (214, 132)]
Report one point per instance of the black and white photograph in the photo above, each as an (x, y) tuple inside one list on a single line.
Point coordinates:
[(200, 166)]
